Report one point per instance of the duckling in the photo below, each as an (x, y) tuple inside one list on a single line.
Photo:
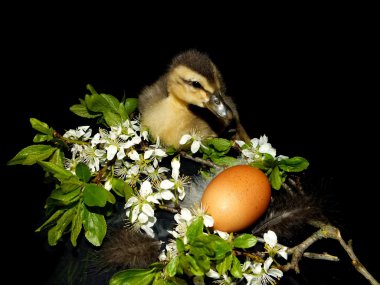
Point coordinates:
[(189, 99)]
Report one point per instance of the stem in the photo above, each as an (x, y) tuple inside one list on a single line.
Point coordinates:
[(169, 209), (67, 140), (199, 160)]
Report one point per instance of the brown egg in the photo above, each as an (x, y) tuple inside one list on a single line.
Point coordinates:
[(237, 197)]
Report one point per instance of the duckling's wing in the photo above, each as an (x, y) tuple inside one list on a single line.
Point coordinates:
[(152, 94)]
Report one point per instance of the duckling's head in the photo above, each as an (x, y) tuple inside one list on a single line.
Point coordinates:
[(193, 79)]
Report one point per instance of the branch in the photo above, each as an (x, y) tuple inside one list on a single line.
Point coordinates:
[(168, 209), (199, 160), (325, 231)]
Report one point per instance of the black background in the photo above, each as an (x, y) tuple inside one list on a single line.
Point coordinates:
[(309, 87)]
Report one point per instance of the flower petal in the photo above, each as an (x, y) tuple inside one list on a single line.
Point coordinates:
[(148, 153), (135, 213), (268, 263), (167, 195), (148, 231), (212, 274), (143, 218), (208, 221), (133, 155), (146, 188), (184, 139), (166, 184), (131, 201), (270, 238), (148, 210), (195, 146), (111, 151)]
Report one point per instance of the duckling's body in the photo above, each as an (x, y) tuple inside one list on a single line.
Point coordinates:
[(189, 99)]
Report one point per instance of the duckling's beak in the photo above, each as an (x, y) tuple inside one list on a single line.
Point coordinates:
[(218, 107)]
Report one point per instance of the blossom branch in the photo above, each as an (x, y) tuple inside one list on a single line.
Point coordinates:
[(199, 160), (67, 140)]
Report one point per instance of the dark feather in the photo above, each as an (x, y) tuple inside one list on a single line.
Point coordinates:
[(127, 248), (290, 214)]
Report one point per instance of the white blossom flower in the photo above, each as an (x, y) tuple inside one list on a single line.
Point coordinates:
[(92, 157), (256, 148), (81, 133), (179, 181), (140, 210), (183, 220), (261, 274), (196, 141), (155, 174), (155, 152), (169, 252), (164, 192), (270, 239), (200, 211)]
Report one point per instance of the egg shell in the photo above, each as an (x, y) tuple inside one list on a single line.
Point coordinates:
[(237, 197)]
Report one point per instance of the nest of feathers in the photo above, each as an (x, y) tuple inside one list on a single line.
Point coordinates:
[(128, 209)]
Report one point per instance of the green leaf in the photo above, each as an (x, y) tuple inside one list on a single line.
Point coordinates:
[(83, 172), (40, 138), (112, 119), (112, 102), (259, 165), (95, 226), (190, 266), (90, 88), (220, 144), (65, 198), (294, 164), (275, 178), (195, 229), (245, 241), (203, 262), (214, 246), (236, 268), (41, 126), (171, 150), (102, 103), (225, 160), (70, 184), (58, 158), (122, 112), (171, 267), (82, 111), (224, 265), (133, 277), (32, 154), (51, 220), (131, 105), (76, 225), (180, 245), (110, 198), (122, 188), (56, 232), (95, 195), (58, 171)]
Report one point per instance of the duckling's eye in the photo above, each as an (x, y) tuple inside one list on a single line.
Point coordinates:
[(216, 100), (196, 84)]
